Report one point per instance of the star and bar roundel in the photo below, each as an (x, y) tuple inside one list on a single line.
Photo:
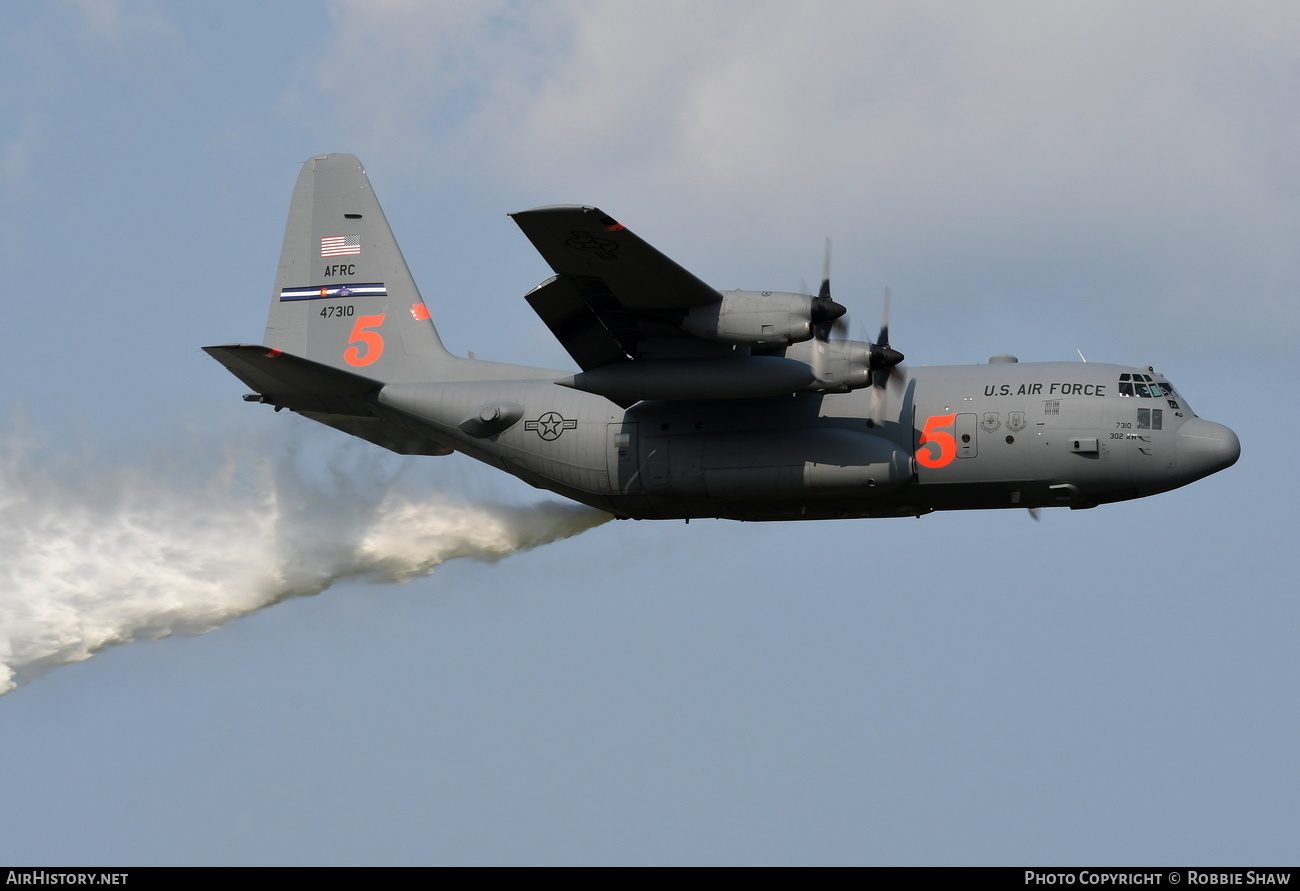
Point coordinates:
[(550, 425)]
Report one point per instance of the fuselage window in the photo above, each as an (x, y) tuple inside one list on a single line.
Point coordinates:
[(1150, 419)]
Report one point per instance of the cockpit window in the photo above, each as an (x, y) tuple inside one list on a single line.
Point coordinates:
[(1145, 387)]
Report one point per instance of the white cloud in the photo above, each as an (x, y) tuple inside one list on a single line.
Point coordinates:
[(1148, 149)]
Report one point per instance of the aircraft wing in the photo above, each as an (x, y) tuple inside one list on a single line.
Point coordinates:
[(579, 242), (613, 297)]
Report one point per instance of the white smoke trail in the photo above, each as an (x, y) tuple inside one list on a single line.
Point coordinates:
[(93, 556)]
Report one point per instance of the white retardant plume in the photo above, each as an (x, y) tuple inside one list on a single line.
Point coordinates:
[(93, 555)]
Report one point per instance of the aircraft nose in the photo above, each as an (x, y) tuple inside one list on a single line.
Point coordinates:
[(1205, 447)]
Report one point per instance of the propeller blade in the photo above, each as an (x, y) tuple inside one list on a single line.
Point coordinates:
[(825, 291), (824, 311), (819, 358), (883, 339), (883, 359), (877, 412), (880, 393)]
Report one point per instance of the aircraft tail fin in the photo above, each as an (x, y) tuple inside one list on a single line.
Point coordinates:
[(343, 296)]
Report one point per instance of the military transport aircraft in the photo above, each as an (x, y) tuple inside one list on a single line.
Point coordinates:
[(693, 402)]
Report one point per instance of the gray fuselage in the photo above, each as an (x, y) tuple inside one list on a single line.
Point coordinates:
[(957, 437)]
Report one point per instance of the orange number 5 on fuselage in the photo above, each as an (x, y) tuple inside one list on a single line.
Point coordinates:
[(947, 443)]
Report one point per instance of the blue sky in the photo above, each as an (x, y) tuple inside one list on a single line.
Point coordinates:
[(1107, 686)]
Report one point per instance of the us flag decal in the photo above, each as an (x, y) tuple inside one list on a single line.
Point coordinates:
[(340, 245)]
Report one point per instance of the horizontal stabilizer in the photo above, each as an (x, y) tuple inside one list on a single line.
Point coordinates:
[(339, 399), (293, 382)]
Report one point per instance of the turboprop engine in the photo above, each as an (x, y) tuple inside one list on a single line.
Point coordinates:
[(761, 318)]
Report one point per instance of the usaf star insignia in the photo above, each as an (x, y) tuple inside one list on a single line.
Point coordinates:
[(550, 425)]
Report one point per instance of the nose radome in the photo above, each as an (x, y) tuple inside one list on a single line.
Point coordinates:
[(1205, 447)]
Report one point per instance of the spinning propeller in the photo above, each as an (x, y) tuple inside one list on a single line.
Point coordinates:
[(884, 360), (885, 366), (827, 315), (828, 319)]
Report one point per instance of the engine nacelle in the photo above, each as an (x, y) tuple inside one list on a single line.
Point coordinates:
[(754, 318), (841, 366), (744, 377)]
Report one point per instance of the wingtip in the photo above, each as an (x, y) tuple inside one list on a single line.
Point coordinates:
[(557, 209)]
